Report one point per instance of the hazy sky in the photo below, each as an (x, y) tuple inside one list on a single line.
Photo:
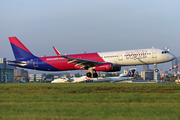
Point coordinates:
[(75, 26)]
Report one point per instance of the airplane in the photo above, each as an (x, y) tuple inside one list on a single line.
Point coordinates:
[(177, 81), (60, 80), (122, 77), (79, 79), (92, 62), (125, 76), (71, 80)]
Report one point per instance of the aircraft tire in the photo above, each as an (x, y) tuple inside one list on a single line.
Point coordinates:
[(156, 70), (95, 75), (88, 74)]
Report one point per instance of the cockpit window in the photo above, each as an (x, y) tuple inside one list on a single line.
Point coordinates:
[(164, 52)]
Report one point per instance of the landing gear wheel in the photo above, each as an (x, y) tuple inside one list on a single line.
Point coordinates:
[(156, 70), (88, 74), (95, 75)]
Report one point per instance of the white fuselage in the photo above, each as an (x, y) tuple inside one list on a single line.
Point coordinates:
[(70, 80), (79, 79), (108, 79), (137, 57), (60, 80)]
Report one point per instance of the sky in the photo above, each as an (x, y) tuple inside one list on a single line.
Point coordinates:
[(78, 26)]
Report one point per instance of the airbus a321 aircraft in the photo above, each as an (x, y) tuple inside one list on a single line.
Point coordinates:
[(104, 61)]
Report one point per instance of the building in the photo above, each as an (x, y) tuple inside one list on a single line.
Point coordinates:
[(36, 77), (6, 72), (150, 75), (20, 74), (147, 75), (157, 76)]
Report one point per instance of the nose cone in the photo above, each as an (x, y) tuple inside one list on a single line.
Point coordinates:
[(171, 57)]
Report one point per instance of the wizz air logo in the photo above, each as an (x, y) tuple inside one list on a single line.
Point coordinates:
[(136, 54)]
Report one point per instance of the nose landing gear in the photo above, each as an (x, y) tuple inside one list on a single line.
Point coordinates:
[(156, 70)]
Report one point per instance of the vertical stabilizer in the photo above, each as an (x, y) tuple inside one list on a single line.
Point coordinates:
[(131, 72), (20, 51), (128, 74)]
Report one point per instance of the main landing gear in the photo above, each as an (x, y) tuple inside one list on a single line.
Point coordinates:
[(89, 74), (95, 75)]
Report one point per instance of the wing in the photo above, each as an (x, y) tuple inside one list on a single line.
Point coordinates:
[(84, 63)]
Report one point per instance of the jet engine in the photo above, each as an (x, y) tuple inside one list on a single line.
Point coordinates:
[(104, 67), (108, 67)]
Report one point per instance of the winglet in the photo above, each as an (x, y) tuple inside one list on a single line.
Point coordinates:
[(57, 52)]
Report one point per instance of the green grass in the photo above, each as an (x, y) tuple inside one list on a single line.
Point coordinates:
[(89, 101)]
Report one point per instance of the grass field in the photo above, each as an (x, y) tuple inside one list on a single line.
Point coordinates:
[(90, 101)]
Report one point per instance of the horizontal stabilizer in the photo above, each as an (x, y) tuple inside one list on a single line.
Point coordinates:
[(23, 63)]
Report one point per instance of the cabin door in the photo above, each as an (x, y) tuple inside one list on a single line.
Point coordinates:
[(154, 53), (120, 56)]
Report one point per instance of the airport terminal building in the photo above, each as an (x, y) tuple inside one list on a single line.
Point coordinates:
[(6, 72)]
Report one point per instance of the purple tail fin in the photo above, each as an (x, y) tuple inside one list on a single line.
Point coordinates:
[(20, 51)]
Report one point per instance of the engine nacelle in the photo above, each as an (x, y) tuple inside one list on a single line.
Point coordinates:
[(104, 67)]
